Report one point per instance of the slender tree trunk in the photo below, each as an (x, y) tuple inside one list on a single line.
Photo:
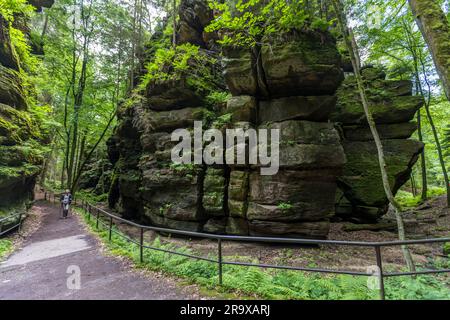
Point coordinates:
[(44, 28), (435, 133), (414, 49), (435, 29), (423, 167), (387, 188), (174, 18), (413, 185), (133, 46), (76, 179)]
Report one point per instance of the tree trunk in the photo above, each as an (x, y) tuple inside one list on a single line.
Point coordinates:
[(174, 13), (435, 134), (387, 188), (423, 167), (435, 29)]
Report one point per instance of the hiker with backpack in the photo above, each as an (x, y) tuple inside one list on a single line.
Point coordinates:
[(66, 201)]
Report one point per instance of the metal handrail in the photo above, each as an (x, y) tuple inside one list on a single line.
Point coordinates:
[(18, 225), (98, 212)]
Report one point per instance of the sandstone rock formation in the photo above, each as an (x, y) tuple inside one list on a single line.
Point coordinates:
[(294, 83), (291, 88), (20, 162), (362, 197)]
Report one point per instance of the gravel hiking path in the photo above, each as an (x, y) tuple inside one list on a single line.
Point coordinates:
[(47, 266)]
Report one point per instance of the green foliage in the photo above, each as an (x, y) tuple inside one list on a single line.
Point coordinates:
[(270, 284), (285, 206), (421, 287), (184, 169), (9, 9), (244, 23), (5, 247), (185, 61), (217, 97), (407, 200)]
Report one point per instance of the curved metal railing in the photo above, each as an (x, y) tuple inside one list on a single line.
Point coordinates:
[(99, 213)]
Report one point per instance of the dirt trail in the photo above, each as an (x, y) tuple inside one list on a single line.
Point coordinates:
[(47, 266)]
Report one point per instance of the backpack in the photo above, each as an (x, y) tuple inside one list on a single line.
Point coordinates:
[(66, 199)]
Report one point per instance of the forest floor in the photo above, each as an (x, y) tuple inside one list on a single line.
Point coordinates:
[(430, 220), (49, 250)]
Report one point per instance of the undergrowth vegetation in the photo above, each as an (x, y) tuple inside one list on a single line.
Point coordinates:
[(5, 247), (269, 284), (407, 200)]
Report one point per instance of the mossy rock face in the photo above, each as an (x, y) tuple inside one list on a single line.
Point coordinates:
[(17, 126), (173, 195), (308, 145), (8, 56), (389, 101), (309, 196), (313, 108), (237, 226), (11, 91), (386, 131), (172, 95), (240, 71), (301, 64), (214, 188), (393, 110), (238, 189), (242, 108), (361, 180), (154, 121), (17, 183), (312, 230), (164, 222), (194, 16), (305, 132), (216, 225)]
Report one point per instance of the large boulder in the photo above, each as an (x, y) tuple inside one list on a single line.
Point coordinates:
[(361, 180), (313, 230), (362, 197), (307, 145), (240, 71), (301, 63), (173, 195), (238, 189), (194, 16), (390, 101), (313, 108), (309, 196), (386, 131), (172, 95), (214, 190)]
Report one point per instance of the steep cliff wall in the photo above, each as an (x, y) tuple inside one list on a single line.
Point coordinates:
[(20, 134)]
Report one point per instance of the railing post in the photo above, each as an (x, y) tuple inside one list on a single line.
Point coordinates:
[(110, 228), (380, 272), (219, 245), (98, 217), (89, 211), (20, 222), (141, 246)]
